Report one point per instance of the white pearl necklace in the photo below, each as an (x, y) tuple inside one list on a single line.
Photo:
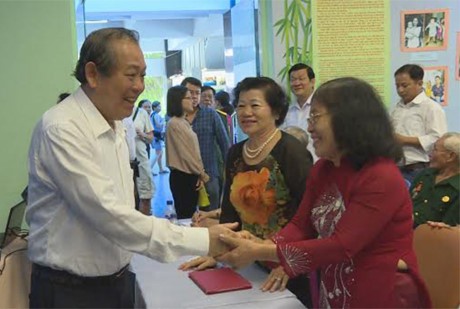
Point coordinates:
[(256, 152)]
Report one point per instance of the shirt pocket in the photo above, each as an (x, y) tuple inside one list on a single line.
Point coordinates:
[(415, 124)]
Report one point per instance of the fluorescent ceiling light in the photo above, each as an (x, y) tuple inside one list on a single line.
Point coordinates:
[(102, 21)]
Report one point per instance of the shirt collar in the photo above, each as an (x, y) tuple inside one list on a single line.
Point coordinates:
[(306, 104), (97, 122), (454, 181), (417, 100)]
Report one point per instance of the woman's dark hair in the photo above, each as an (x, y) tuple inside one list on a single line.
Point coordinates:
[(274, 95), (62, 96), (224, 99), (174, 101), (141, 102), (98, 48), (360, 122)]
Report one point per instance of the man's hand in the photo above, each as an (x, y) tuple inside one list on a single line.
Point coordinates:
[(216, 246), (399, 138), (408, 140), (199, 263)]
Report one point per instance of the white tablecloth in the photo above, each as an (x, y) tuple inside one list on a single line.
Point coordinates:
[(164, 286)]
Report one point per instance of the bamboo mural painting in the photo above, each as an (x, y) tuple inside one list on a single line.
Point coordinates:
[(295, 31)]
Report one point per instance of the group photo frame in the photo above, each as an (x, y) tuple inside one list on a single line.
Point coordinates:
[(423, 30)]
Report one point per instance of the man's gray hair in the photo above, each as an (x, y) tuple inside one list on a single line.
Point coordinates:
[(452, 142)]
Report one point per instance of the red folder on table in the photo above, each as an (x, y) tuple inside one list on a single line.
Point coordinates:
[(219, 280)]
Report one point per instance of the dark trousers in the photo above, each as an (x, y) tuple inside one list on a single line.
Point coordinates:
[(59, 289), (183, 189), (213, 190), (135, 167)]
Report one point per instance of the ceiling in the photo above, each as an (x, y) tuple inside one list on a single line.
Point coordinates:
[(133, 10)]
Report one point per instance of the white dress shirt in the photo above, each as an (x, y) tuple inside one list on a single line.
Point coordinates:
[(130, 136), (422, 118), (145, 184), (297, 116), (81, 204)]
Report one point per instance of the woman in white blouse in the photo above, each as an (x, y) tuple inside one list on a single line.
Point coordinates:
[(183, 153)]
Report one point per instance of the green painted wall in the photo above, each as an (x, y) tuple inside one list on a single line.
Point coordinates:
[(38, 51)]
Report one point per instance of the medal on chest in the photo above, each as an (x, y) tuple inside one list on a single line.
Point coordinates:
[(445, 199), (417, 189)]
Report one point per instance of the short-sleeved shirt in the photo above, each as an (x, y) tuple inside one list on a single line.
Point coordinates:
[(422, 118), (435, 201)]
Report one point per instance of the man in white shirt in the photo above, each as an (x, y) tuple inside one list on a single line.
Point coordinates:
[(144, 136), (418, 120), (83, 225), (302, 81), (130, 138)]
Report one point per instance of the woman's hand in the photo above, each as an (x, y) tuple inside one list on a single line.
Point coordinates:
[(276, 281), (247, 235), (199, 263), (199, 184), (204, 177), (197, 216), (244, 251), (200, 215), (205, 218), (206, 222)]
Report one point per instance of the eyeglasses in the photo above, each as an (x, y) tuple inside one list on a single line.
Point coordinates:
[(300, 79), (314, 118)]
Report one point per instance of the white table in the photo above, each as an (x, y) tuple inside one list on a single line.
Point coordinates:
[(164, 286)]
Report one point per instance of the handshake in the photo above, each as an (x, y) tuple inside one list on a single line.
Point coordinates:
[(238, 249)]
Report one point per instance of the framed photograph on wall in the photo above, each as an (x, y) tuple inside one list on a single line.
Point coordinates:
[(457, 70), (424, 30), (435, 83)]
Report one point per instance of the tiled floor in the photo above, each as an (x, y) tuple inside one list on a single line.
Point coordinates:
[(162, 191)]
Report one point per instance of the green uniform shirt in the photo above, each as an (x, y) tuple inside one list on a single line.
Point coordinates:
[(435, 202)]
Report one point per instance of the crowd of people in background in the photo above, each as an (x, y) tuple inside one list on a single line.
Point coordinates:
[(324, 193), (269, 156)]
